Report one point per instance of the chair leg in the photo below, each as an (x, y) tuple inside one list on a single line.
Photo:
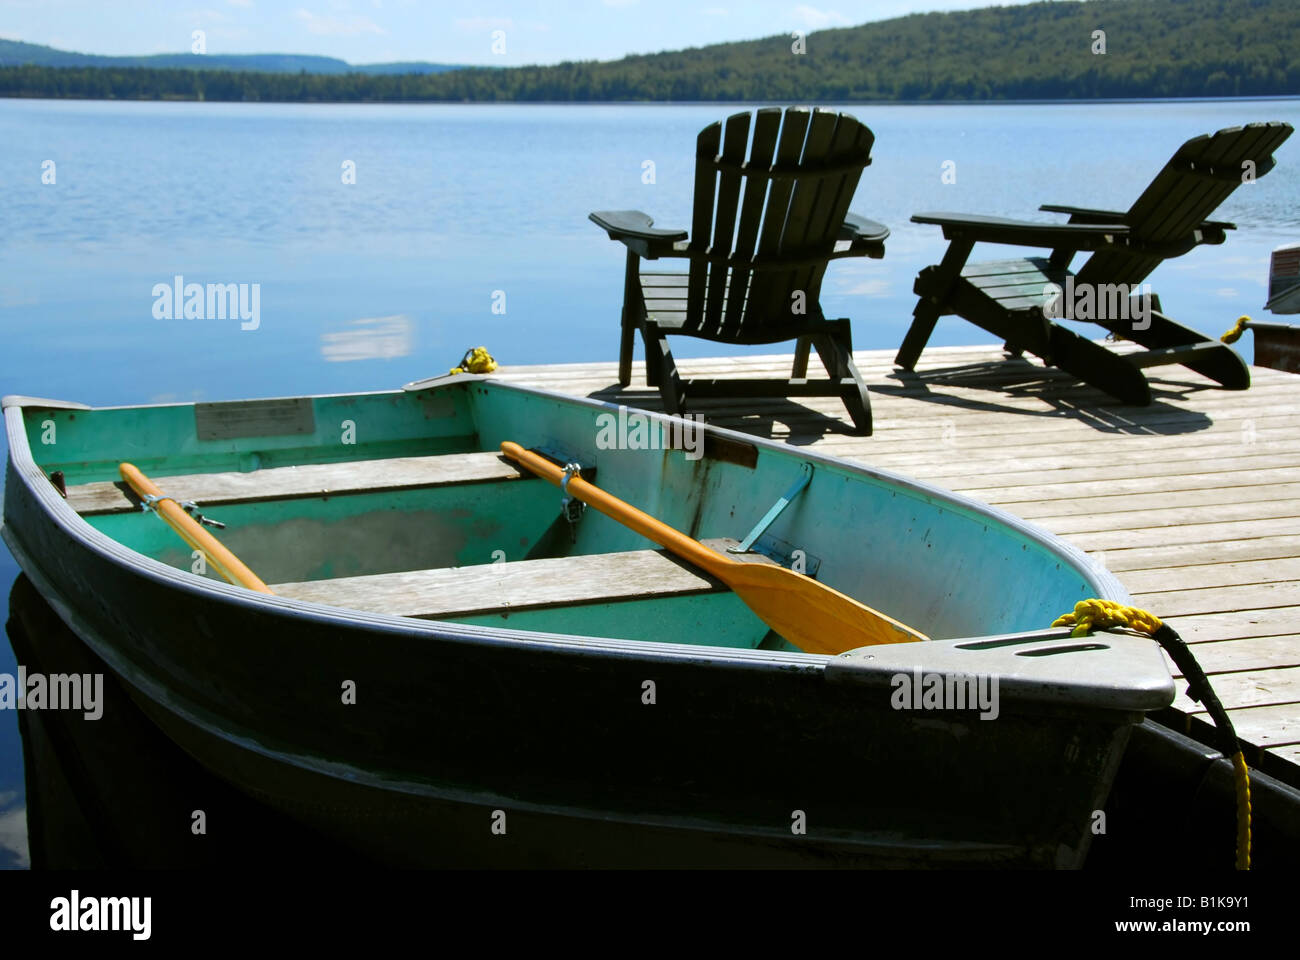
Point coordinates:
[(924, 317), (625, 346), (837, 358), (661, 369), (633, 314), (655, 344), (1224, 366), (801, 351), (1096, 365)]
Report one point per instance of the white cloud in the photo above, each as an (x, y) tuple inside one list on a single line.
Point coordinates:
[(375, 338), (876, 287), (13, 836), (714, 11), (240, 3), (327, 26), (815, 19), (484, 23)]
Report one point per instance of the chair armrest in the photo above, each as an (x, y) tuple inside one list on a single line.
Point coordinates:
[(1088, 215), (1085, 214), (1023, 233), (866, 237), (860, 228), (636, 230)]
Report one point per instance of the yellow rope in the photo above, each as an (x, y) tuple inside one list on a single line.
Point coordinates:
[(1097, 614), (1091, 615), (1233, 335), (1241, 777), (477, 360)]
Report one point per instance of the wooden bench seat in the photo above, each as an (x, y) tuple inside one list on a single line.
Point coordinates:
[(455, 592), (1016, 284), (306, 480)]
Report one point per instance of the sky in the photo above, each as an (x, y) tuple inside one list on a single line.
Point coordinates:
[(459, 31)]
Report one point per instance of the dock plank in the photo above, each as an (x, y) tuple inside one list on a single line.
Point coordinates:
[(1269, 687), (1249, 653), (1174, 555), (1214, 574)]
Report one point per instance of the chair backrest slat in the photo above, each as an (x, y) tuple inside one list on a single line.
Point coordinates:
[(789, 150), (767, 122), (798, 181), (795, 236), (1196, 181), (851, 139), (730, 173), (706, 148)]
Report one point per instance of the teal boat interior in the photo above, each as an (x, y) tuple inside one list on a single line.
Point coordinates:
[(399, 503)]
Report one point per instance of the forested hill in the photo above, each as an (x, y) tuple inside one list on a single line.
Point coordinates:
[(1153, 48), (15, 53)]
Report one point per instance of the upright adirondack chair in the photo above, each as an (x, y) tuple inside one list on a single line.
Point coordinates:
[(1009, 298), (756, 264)]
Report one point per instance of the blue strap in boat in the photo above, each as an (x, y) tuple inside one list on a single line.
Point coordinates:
[(768, 518)]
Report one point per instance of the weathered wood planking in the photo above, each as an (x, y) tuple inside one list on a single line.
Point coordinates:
[(508, 587), (1194, 501), (1193, 554), (308, 480), (1249, 653)]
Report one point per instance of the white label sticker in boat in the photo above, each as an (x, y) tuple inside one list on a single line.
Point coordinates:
[(254, 418)]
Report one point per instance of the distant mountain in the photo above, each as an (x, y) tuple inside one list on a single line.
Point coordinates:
[(15, 53)]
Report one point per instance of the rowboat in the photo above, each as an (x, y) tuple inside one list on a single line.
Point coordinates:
[(453, 664)]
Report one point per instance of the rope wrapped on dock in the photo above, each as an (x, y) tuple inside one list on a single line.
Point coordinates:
[(1096, 614)]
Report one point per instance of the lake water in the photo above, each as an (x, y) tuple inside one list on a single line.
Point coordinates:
[(370, 284)]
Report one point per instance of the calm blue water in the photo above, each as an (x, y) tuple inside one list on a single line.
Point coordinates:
[(372, 284)]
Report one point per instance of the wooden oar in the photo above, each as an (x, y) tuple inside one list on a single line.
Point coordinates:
[(809, 614), (225, 562)]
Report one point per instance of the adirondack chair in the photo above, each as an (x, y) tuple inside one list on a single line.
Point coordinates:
[(1011, 298), (755, 264)]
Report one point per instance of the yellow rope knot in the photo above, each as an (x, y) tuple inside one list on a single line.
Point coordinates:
[(1233, 335), (477, 360), (1096, 614)]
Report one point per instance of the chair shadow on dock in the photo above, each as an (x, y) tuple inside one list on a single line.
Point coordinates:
[(990, 387), (1060, 397), (760, 417)]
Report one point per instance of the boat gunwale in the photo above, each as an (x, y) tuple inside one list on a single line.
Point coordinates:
[(1103, 583)]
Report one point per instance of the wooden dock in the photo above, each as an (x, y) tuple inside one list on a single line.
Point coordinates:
[(1193, 502)]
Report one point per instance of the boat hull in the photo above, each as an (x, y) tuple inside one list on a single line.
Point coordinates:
[(468, 746), (1277, 345)]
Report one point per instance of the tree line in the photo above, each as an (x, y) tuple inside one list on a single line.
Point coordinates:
[(1083, 50)]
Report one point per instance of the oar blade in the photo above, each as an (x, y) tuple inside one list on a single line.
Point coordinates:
[(811, 615)]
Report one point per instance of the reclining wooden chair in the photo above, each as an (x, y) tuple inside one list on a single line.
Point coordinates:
[(1011, 299), (756, 264)]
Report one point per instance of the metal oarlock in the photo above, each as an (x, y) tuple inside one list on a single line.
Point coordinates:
[(148, 501), (571, 508)]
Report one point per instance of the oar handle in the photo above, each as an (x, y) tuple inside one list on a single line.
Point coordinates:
[(226, 563), (623, 512)]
